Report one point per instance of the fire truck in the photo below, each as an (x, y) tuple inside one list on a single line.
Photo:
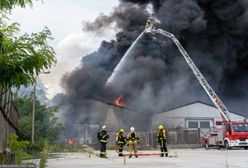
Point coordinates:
[(226, 133)]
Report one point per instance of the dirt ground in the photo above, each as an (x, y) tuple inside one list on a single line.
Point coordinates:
[(178, 158)]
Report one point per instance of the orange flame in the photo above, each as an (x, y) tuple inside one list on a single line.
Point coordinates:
[(118, 101), (69, 141)]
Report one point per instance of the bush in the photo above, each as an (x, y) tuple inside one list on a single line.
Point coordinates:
[(18, 148), (37, 146), (57, 148)]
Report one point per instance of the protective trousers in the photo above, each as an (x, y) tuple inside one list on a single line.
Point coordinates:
[(121, 149), (163, 148), (132, 147), (103, 149)]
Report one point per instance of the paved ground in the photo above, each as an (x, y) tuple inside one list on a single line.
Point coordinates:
[(183, 158)]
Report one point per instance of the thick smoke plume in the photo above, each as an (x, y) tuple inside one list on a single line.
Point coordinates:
[(214, 33)]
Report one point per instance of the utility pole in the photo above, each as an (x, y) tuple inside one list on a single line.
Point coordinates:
[(33, 113)]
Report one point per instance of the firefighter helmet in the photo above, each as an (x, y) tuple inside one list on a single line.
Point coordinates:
[(160, 127), (122, 130), (132, 129), (104, 127)]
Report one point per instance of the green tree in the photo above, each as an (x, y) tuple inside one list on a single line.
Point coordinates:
[(46, 124), (22, 58), (9, 4)]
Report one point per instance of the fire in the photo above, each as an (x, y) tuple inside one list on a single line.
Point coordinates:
[(69, 141), (118, 101)]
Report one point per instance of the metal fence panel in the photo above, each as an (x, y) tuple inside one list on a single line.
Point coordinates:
[(148, 139)]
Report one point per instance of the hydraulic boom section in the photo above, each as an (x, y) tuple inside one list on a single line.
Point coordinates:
[(150, 28)]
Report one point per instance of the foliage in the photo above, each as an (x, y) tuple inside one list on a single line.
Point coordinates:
[(44, 155), (18, 148), (23, 57), (10, 4), (38, 145), (46, 124), (57, 148)]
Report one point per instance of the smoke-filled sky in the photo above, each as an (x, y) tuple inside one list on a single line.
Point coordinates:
[(156, 77)]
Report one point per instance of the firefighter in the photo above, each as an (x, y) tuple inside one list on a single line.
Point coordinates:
[(132, 142), (161, 137), (103, 139), (120, 141)]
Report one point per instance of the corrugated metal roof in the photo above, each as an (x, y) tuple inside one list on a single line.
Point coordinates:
[(201, 102)]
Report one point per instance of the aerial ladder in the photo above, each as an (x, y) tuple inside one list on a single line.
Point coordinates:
[(150, 28), (229, 133)]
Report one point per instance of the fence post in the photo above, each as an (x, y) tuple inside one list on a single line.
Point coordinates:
[(148, 139), (199, 136), (124, 159)]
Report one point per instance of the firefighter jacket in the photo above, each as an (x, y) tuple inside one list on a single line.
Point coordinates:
[(102, 136), (131, 137), (161, 135), (120, 138)]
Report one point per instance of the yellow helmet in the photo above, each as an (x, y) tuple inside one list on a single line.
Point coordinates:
[(160, 127), (121, 130)]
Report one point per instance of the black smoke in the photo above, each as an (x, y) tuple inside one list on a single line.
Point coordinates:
[(214, 33)]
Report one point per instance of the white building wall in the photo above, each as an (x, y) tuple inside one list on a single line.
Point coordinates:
[(198, 111)]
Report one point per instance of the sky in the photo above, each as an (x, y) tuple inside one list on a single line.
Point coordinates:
[(65, 19)]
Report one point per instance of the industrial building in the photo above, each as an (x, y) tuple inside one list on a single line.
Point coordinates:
[(190, 118), (192, 115), (196, 114)]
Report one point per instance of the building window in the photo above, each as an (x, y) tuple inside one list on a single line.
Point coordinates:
[(204, 124), (199, 123), (193, 124)]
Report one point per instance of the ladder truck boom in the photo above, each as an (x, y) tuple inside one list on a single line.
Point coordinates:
[(150, 28)]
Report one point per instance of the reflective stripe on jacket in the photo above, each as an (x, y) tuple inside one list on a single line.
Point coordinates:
[(161, 135), (120, 138), (132, 137), (103, 136)]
